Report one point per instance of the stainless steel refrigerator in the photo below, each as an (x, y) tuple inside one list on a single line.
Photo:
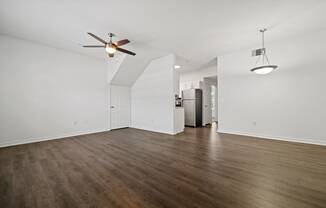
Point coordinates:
[(192, 103)]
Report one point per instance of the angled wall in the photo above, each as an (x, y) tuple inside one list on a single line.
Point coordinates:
[(114, 65), (133, 66), (152, 97)]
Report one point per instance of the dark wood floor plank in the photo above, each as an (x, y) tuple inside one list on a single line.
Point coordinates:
[(134, 168)]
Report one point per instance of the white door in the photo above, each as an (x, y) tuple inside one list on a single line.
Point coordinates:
[(120, 107)]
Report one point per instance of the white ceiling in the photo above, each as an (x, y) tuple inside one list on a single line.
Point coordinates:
[(196, 31)]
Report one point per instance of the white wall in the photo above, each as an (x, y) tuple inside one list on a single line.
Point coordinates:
[(286, 104), (133, 66), (152, 97), (48, 93), (114, 66), (192, 79)]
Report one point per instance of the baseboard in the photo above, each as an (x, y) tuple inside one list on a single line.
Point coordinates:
[(287, 139), (33, 140), (153, 130), (178, 132)]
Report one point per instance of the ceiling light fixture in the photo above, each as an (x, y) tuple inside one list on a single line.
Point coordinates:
[(265, 67), (110, 48), (177, 67)]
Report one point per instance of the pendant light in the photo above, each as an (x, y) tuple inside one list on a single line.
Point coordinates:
[(265, 67)]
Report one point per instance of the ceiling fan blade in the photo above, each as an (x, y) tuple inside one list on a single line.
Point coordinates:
[(122, 42), (126, 51), (94, 46), (97, 38)]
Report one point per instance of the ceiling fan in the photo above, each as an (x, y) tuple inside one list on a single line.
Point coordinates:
[(110, 47)]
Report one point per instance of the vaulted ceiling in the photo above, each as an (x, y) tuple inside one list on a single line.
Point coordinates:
[(196, 31)]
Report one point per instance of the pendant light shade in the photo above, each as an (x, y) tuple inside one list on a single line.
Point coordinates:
[(264, 67)]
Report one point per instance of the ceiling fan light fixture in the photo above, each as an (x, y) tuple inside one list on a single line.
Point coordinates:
[(110, 49), (177, 66), (264, 69)]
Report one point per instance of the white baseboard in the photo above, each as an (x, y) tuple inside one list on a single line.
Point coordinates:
[(178, 132), (153, 130), (287, 139), (41, 139)]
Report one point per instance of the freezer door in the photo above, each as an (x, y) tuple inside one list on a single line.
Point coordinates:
[(189, 94), (190, 112)]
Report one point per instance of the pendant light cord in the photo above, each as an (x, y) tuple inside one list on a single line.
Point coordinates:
[(263, 36), (263, 47)]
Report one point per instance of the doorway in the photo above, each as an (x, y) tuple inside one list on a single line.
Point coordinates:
[(213, 103), (209, 100), (120, 107)]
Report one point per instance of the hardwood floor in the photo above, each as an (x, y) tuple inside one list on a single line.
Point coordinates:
[(135, 168)]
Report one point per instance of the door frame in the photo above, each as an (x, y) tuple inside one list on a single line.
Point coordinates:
[(110, 106)]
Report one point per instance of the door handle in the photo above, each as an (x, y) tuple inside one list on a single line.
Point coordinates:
[(112, 107)]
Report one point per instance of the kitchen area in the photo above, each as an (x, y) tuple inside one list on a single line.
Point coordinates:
[(196, 95), (192, 104), (196, 105)]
